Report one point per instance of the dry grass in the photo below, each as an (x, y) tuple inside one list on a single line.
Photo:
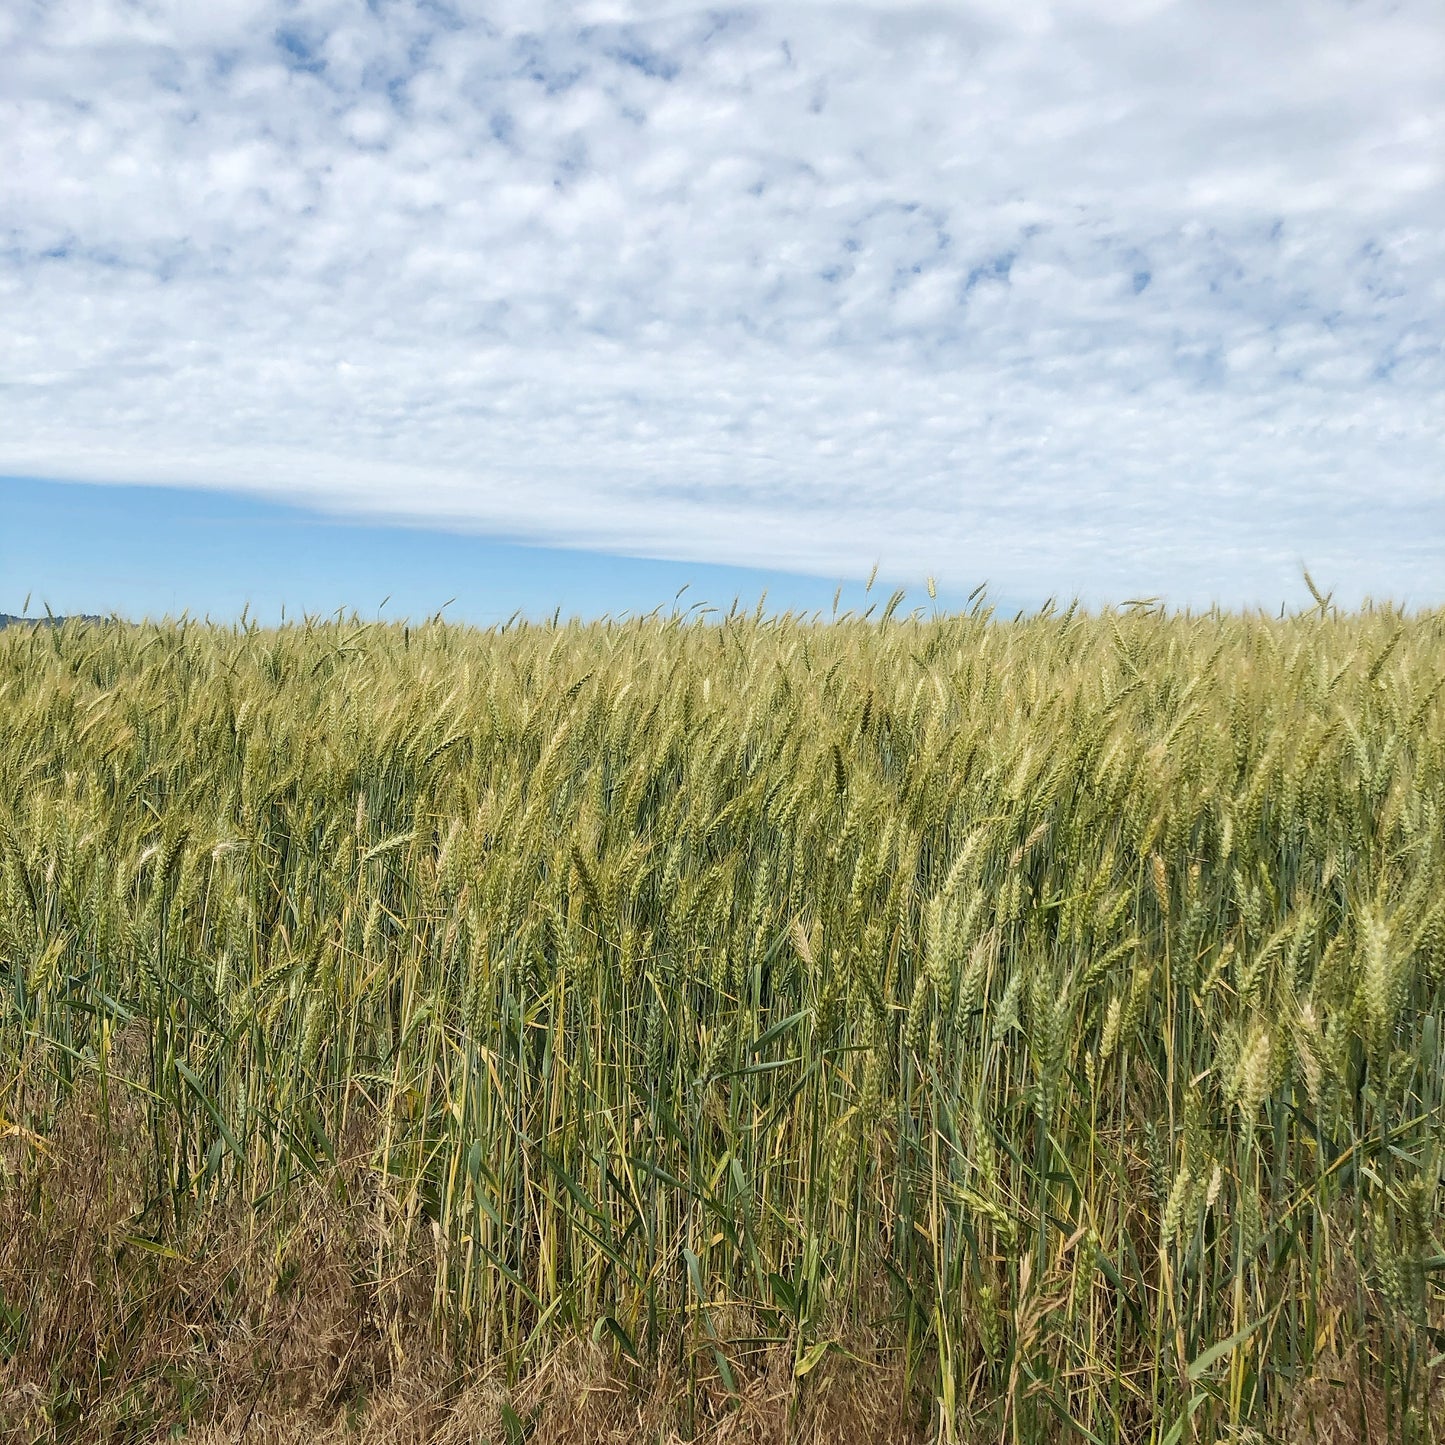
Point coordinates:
[(251, 1331)]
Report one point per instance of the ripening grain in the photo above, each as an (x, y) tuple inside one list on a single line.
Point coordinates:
[(1046, 1015)]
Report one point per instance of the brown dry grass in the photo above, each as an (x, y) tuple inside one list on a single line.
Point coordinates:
[(246, 1328), (253, 1330), (577, 1398)]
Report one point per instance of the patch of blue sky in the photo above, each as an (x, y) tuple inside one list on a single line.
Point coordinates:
[(151, 552), (634, 52), (995, 268), (544, 64), (299, 50)]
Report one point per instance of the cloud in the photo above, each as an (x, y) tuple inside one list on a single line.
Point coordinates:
[(1110, 297)]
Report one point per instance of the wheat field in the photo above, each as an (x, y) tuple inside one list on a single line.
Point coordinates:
[(746, 1028)]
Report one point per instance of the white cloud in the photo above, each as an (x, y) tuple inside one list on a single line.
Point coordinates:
[(1119, 297)]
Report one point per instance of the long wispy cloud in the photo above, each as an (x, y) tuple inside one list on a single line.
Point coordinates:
[(1109, 296)]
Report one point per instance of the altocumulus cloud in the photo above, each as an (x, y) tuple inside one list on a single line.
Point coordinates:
[(1109, 295)]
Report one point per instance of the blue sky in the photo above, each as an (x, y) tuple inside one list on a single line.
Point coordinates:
[(1108, 297), (160, 551)]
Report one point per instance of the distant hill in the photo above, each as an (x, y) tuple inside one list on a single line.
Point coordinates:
[(8, 619)]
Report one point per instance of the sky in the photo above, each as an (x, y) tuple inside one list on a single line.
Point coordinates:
[(1103, 298), (159, 552)]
